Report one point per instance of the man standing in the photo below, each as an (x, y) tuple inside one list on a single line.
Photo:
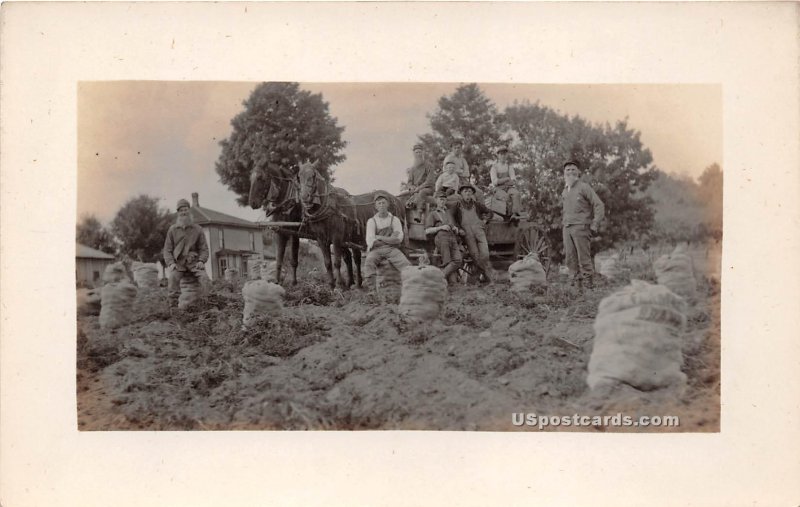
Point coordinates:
[(421, 179), (456, 156), (442, 225), (469, 215), (582, 213), (185, 252), (504, 180), (384, 236)]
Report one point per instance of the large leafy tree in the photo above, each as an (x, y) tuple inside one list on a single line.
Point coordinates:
[(280, 124), (710, 193), (471, 116), (614, 161), (140, 226), (90, 232)]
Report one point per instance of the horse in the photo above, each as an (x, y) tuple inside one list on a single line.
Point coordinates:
[(274, 188), (335, 217)]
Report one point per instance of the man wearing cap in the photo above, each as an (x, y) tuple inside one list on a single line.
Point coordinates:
[(421, 180), (384, 236), (504, 179), (582, 213), (469, 215), (448, 181), (185, 251), (456, 156), (442, 225)]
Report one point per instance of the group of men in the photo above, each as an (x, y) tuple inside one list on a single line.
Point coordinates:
[(457, 213)]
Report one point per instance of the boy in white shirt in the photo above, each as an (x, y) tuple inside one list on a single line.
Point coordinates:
[(384, 236)]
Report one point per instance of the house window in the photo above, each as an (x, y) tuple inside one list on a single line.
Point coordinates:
[(96, 276), (222, 238), (223, 265), (252, 242)]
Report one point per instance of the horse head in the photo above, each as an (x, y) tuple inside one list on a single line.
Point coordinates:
[(308, 177), (260, 184)]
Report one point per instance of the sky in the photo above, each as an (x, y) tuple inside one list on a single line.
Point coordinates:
[(161, 138)]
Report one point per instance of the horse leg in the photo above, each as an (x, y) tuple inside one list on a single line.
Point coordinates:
[(295, 254), (357, 262), (337, 263), (280, 248), (325, 247), (348, 263)]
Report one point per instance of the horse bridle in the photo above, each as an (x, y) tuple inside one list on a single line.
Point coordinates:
[(291, 194)]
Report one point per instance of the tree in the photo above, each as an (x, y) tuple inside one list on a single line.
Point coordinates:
[(140, 227), (467, 114), (90, 232), (710, 193), (613, 159), (280, 124)]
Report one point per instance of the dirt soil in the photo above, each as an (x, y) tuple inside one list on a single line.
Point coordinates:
[(344, 360)]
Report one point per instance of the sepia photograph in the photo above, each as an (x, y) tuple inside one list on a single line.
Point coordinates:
[(386, 256)]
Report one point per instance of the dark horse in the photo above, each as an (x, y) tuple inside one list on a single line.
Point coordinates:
[(337, 218), (275, 189)]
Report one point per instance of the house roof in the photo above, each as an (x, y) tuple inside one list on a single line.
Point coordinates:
[(85, 252), (205, 216)]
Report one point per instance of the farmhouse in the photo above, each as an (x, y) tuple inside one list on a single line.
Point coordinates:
[(232, 241), (90, 264)]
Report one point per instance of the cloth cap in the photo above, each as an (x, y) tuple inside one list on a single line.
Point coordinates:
[(502, 149), (181, 203), (572, 162), (379, 196), (467, 185), (416, 147)]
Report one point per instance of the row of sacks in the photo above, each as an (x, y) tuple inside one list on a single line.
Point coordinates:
[(674, 270)]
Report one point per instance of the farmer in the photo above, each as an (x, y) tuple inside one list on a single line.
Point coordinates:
[(582, 213), (448, 183), (442, 225), (469, 215), (421, 180), (504, 179), (185, 252), (384, 236), (456, 156)]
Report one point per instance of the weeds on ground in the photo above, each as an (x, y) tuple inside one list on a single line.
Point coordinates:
[(283, 336)]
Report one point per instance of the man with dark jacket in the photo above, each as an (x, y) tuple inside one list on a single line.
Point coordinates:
[(470, 215), (441, 224), (185, 252), (582, 213), (421, 178)]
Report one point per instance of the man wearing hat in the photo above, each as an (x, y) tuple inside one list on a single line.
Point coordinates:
[(504, 179), (456, 156), (442, 225), (582, 213), (469, 215), (384, 236), (421, 179), (185, 251)]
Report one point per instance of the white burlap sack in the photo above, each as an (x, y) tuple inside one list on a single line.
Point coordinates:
[(261, 298), (145, 275), (638, 338), (424, 292), (89, 301), (526, 273), (268, 271), (676, 271), (230, 274), (609, 267), (191, 290), (388, 282), (116, 302), (115, 273)]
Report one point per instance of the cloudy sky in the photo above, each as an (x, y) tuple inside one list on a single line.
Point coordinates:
[(162, 138)]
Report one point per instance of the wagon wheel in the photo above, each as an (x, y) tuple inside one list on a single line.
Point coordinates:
[(530, 240), (468, 272)]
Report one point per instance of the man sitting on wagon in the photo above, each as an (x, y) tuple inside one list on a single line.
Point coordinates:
[(469, 215), (456, 156), (421, 180), (504, 179), (442, 225), (448, 182), (384, 236)]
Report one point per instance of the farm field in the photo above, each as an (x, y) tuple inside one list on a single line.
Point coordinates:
[(344, 360)]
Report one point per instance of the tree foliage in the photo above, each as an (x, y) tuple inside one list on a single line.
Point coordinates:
[(140, 226), (280, 124), (471, 116), (90, 232)]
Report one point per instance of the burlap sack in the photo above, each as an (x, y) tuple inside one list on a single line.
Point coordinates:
[(609, 267), (676, 271), (261, 298), (388, 282), (145, 275), (638, 338), (268, 271), (115, 272), (89, 301), (116, 302), (230, 274), (191, 290), (424, 292), (526, 273)]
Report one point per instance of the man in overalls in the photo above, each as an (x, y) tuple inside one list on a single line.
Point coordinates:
[(442, 225), (185, 252), (384, 236), (469, 215)]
